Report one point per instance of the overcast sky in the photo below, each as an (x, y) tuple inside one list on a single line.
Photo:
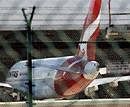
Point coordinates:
[(54, 12)]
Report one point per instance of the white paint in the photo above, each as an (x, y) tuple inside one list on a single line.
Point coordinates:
[(89, 32)]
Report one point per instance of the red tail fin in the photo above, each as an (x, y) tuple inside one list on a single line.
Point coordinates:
[(90, 30)]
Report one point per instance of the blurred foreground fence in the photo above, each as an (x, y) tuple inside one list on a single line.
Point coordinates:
[(111, 53), (13, 46), (73, 103)]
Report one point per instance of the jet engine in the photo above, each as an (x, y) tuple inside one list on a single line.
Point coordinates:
[(90, 91), (91, 70)]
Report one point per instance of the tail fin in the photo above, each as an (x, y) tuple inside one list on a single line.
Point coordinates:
[(90, 30)]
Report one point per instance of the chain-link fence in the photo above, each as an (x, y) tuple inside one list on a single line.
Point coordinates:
[(59, 36)]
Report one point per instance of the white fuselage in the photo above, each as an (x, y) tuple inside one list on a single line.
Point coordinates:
[(54, 77), (43, 75)]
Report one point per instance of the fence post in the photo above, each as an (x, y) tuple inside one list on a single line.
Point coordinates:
[(29, 53)]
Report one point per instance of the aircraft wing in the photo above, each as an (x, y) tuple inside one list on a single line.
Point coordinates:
[(5, 85), (100, 81), (106, 80)]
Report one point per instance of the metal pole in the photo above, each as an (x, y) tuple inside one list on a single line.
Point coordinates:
[(29, 54), (109, 6)]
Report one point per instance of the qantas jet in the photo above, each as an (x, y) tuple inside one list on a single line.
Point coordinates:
[(63, 77)]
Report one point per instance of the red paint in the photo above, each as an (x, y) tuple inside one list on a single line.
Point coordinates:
[(93, 13), (91, 45), (69, 83)]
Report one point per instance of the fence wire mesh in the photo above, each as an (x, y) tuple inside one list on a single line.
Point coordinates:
[(56, 39)]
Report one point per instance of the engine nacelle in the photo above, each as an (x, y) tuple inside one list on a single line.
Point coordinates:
[(113, 84), (90, 91), (91, 70), (91, 67)]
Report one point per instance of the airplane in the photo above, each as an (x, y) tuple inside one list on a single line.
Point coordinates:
[(63, 77)]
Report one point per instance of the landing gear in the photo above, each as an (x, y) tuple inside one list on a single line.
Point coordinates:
[(91, 92), (4, 97), (10, 95), (5, 94)]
